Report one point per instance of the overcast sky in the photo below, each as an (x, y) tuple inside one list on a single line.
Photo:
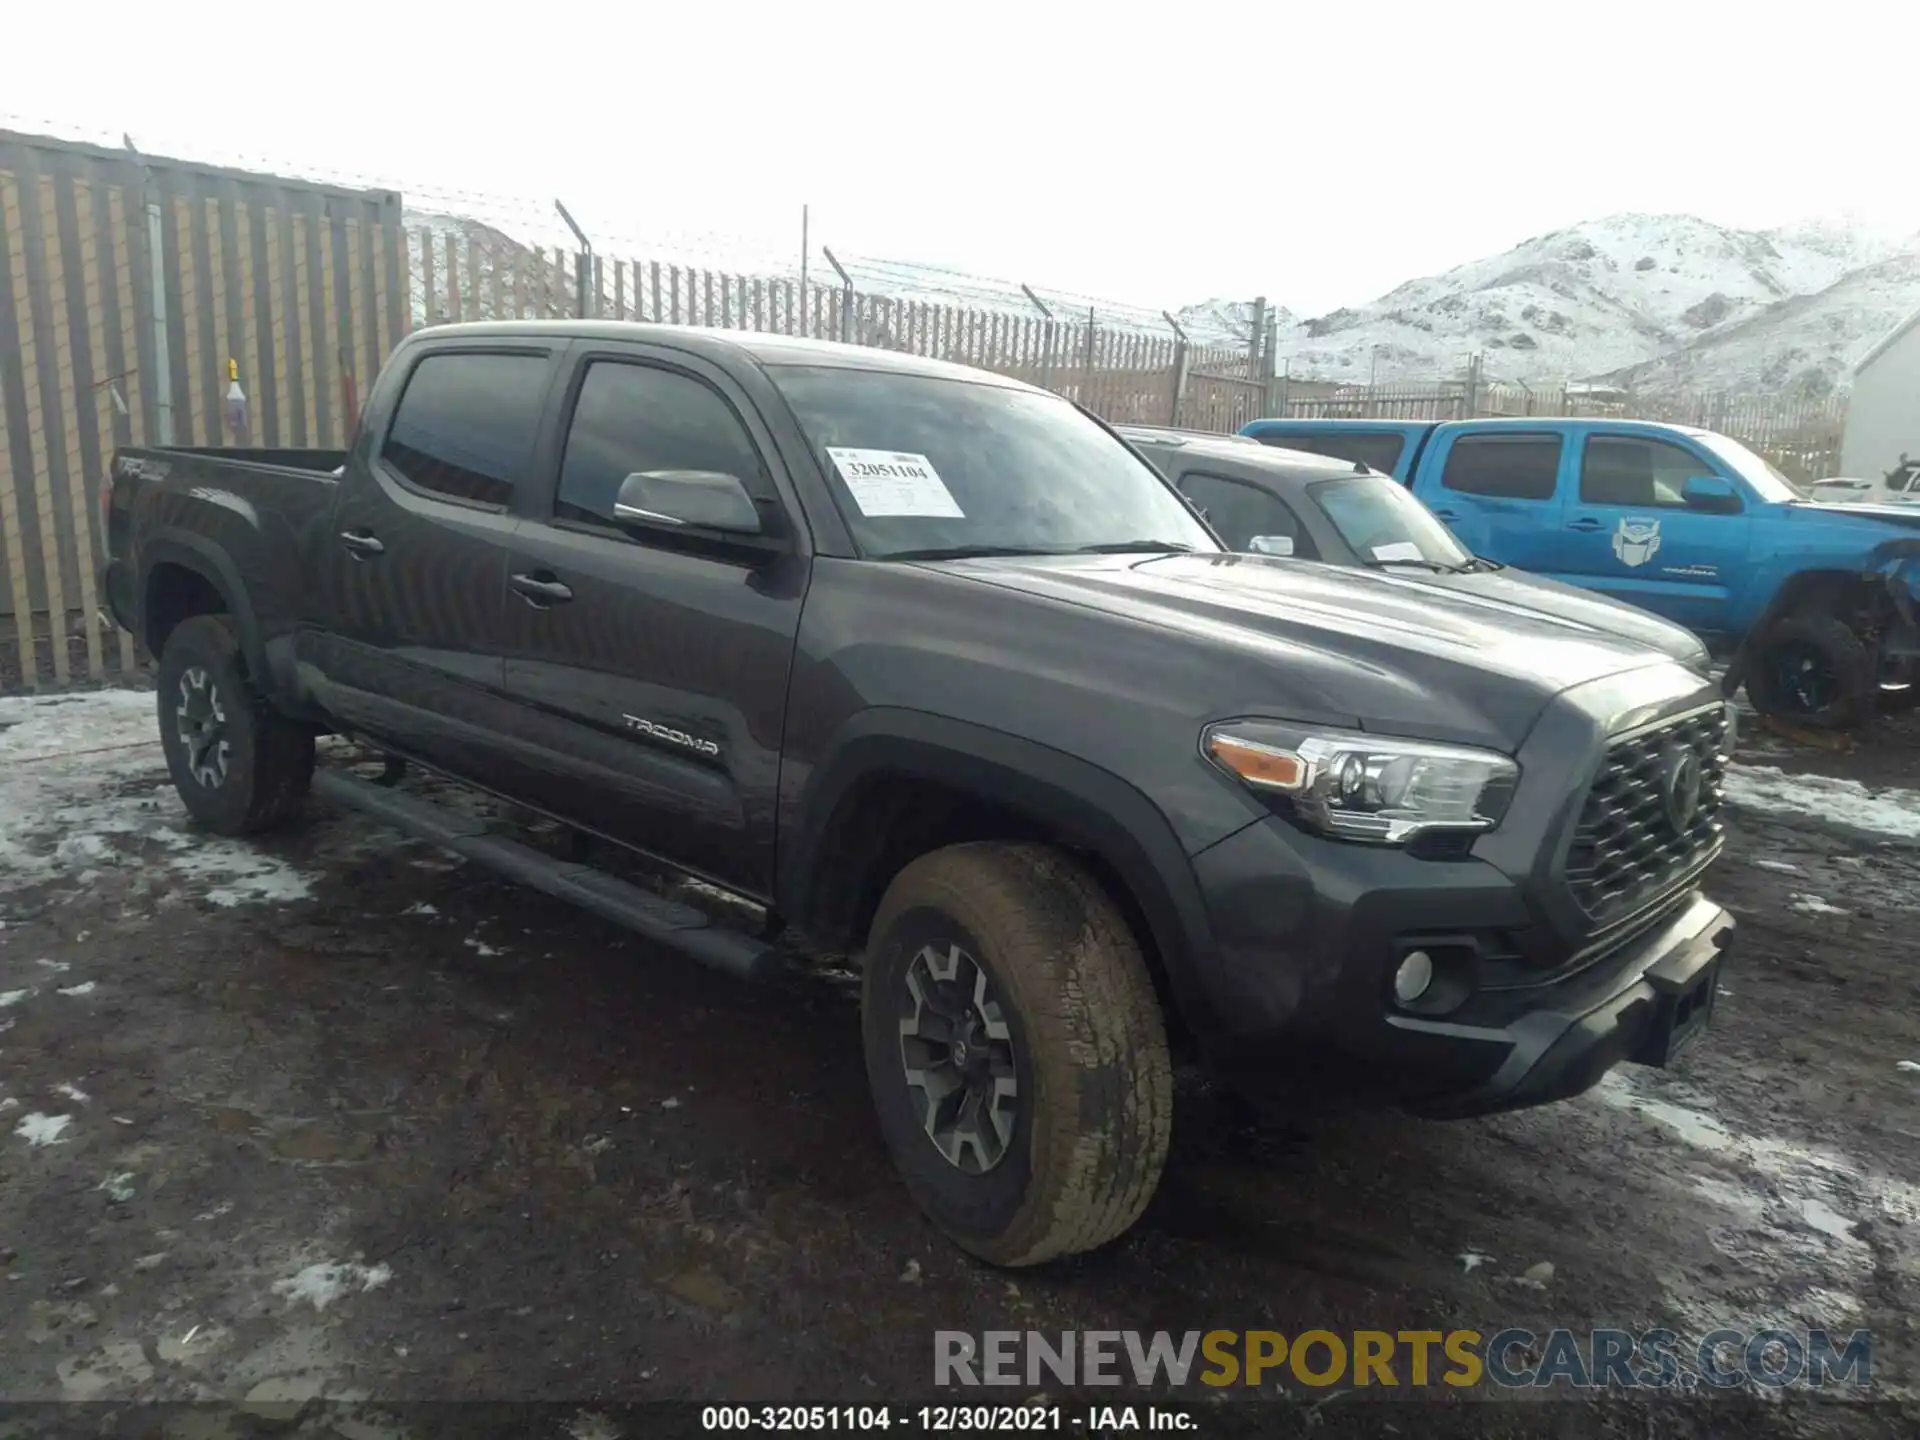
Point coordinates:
[(1156, 153)]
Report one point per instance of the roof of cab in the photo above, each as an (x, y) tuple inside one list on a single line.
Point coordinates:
[(1276, 426), (1241, 450), (762, 348)]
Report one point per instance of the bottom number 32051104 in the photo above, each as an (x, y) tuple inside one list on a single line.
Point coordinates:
[(935, 1419)]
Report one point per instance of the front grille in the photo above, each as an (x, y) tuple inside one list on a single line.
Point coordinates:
[(1627, 851)]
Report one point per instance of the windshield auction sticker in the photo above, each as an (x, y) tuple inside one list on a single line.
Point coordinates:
[(887, 483)]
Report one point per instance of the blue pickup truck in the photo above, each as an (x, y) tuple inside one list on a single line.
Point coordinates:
[(1816, 606)]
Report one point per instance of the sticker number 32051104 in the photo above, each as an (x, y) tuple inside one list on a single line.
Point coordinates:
[(889, 483)]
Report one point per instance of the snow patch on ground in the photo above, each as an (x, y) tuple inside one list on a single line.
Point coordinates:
[(1810, 1202), (249, 877), (38, 1129), (1814, 905), (83, 789), (1826, 800), (322, 1284)]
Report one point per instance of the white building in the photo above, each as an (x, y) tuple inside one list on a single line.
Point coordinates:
[(1882, 441)]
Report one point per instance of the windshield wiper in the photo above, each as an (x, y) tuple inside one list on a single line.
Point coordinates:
[(965, 552), (1434, 565), (1136, 547)]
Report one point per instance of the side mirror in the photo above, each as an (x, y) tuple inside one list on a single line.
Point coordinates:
[(1712, 493), (696, 499), (1270, 545)]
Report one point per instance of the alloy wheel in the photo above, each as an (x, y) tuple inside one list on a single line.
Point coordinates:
[(957, 1052), (202, 721)]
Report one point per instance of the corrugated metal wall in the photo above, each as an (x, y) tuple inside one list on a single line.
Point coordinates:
[(127, 283)]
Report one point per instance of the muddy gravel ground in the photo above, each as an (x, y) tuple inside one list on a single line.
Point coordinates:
[(334, 1114)]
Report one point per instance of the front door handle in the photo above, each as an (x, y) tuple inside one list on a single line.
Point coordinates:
[(1447, 515), (541, 589), (362, 544), (1586, 525)]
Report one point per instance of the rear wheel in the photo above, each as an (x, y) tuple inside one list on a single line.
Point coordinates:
[(239, 765), (1016, 1052), (1813, 670)]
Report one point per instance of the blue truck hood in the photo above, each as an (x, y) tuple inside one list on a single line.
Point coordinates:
[(1893, 517)]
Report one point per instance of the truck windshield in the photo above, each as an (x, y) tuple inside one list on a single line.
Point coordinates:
[(1767, 482), (1385, 525), (924, 467)]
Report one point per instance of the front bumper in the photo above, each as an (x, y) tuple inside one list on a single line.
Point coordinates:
[(1541, 996), (1659, 1003), (1307, 935)]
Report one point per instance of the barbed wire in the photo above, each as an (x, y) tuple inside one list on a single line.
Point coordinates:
[(529, 221)]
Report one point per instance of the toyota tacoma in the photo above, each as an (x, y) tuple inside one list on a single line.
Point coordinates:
[(934, 668)]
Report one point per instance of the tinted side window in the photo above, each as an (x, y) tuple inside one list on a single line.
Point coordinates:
[(1375, 449), (465, 424), (1514, 467), (635, 418), (1238, 512), (1630, 470)]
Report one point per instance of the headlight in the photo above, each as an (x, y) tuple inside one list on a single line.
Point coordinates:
[(1367, 787)]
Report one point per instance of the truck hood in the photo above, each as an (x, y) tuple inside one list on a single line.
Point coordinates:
[(1469, 657), (1567, 605), (1895, 517)]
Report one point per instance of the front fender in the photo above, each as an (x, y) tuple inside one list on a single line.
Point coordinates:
[(1088, 807)]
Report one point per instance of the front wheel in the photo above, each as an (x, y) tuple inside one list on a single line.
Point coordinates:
[(239, 765), (1813, 670), (1016, 1052)]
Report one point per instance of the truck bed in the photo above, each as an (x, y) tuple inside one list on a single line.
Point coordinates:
[(247, 518), (284, 458)]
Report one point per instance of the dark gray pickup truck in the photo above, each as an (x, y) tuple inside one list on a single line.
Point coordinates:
[(938, 670)]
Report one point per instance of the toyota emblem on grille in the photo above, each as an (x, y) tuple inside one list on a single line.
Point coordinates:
[(1680, 781)]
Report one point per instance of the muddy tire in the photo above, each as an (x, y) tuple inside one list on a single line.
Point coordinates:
[(239, 765), (1813, 670), (1016, 1051)]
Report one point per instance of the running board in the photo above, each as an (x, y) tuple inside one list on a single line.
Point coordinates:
[(681, 927)]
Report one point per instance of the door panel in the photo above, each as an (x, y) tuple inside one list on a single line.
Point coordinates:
[(1631, 535), (1501, 495), (416, 561), (655, 691)]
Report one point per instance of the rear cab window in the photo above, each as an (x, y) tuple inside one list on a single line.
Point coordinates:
[(1504, 467), (1376, 449), (465, 426)]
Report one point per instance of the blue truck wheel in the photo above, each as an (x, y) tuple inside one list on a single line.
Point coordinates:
[(1813, 670)]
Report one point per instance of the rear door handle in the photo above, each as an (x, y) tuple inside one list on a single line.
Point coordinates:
[(362, 543), (1586, 524), (541, 589), (1448, 515)]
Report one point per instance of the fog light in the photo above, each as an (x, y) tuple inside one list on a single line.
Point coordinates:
[(1413, 977)]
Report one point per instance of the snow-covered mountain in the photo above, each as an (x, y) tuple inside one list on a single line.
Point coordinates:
[(1802, 345), (1607, 296)]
